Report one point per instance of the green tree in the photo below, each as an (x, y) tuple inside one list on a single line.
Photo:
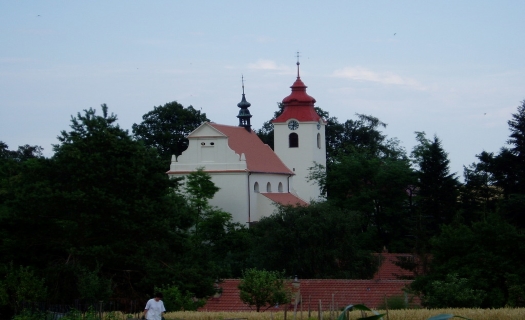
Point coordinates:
[(506, 170), (20, 284), (102, 202), (486, 254), (176, 300), (437, 189), (453, 292), (315, 241), (261, 288), (215, 238), (165, 128)]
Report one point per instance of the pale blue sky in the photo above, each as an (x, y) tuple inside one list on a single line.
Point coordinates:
[(451, 68)]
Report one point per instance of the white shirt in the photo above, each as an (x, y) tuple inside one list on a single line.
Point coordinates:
[(155, 309)]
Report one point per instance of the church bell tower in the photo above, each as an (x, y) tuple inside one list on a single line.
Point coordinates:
[(244, 114), (299, 138)]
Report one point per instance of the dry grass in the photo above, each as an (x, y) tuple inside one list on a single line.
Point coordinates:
[(409, 314)]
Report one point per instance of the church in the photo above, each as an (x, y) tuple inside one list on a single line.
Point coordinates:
[(251, 176)]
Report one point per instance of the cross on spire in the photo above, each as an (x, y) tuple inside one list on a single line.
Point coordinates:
[(298, 63)]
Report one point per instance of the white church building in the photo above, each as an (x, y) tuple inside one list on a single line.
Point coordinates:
[(251, 176)]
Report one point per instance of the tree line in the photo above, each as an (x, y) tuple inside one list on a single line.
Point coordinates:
[(100, 219)]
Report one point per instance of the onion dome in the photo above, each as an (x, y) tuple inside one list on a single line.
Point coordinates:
[(244, 114), (298, 105)]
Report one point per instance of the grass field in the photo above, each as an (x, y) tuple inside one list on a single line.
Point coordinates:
[(409, 314)]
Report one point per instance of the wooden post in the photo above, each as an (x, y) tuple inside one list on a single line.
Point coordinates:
[(301, 307), (320, 311), (285, 310), (332, 309), (386, 308), (309, 309)]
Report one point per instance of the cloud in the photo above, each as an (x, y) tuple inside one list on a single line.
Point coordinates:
[(262, 64), (363, 74)]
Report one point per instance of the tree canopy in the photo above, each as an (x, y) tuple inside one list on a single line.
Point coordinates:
[(262, 288), (165, 128)]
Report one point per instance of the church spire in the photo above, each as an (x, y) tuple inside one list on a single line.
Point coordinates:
[(244, 114), (298, 63)]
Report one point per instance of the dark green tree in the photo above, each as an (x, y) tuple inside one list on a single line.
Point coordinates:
[(506, 170), (315, 241), (437, 190), (261, 288), (165, 128), (487, 255), (217, 241), (101, 207)]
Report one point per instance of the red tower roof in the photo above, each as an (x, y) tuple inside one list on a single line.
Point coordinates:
[(298, 105)]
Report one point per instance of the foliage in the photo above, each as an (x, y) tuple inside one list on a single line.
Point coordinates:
[(92, 286), (199, 189), (102, 207), (394, 303), (315, 241), (375, 188), (262, 288), (483, 261), (20, 284), (437, 188), (505, 171), (175, 300), (453, 292), (165, 128)]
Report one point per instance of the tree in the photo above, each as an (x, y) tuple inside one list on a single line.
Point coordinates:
[(165, 128), (262, 288), (505, 171), (436, 188), (101, 207), (315, 241), (453, 292), (217, 242), (482, 255)]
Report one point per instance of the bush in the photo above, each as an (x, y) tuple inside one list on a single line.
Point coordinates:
[(394, 303), (453, 292)]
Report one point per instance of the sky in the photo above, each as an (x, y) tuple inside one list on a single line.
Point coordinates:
[(455, 69)]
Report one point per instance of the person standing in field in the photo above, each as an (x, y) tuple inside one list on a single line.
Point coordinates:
[(154, 308)]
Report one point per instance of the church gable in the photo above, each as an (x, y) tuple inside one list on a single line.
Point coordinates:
[(206, 130), (208, 148)]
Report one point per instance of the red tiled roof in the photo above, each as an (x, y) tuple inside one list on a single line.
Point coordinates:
[(285, 199), (342, 292), (298, 105), (259, 156), (389, 270)]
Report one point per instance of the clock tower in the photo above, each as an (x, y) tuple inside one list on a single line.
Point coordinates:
[(299, 138)]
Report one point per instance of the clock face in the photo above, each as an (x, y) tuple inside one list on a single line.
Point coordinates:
[(293, 125)]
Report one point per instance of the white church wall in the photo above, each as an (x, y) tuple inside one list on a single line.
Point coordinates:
[(232, 196), (259, 207), (265, 206)]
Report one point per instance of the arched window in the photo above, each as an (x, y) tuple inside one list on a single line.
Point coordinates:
[(268, 187), (319, 140), (256, 187), (293, 140), (280, 187)]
